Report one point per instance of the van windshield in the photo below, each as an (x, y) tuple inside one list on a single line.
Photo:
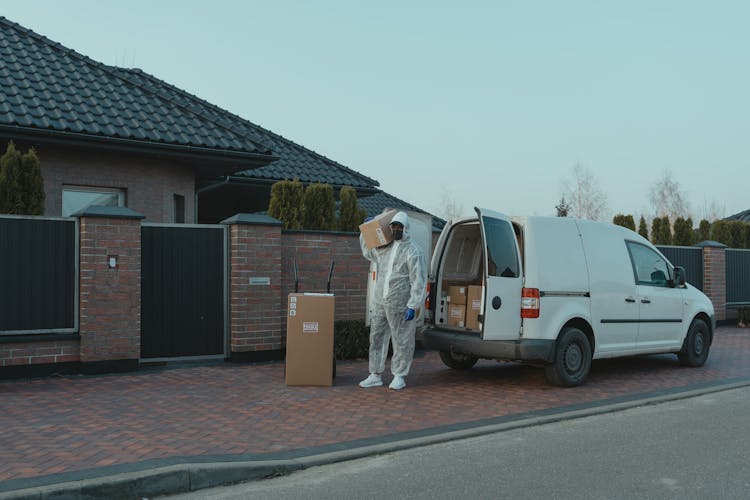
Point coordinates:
[(502, 259)]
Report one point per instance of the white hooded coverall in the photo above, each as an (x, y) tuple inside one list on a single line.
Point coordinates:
[(400, 284)]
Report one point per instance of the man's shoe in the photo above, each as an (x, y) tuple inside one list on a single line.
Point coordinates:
[(398, 383), (374, 380)]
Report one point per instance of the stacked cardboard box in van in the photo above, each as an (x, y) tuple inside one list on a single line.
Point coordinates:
[(456, 305), (464, 305)]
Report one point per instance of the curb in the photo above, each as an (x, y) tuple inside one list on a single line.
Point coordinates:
[(184, 478)]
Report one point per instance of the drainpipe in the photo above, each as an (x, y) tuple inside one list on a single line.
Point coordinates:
[(203, 190)]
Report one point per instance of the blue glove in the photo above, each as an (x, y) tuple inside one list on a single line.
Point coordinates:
[(409, 314), (367, 219)]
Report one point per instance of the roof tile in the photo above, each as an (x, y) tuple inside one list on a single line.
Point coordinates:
[(41, 77)]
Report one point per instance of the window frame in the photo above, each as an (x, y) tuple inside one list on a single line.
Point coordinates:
[(669, 268), (101, 190)]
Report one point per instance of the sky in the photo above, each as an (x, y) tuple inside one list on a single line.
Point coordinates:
[(478, 103)]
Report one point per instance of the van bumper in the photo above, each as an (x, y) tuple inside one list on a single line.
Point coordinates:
[(536, 350)]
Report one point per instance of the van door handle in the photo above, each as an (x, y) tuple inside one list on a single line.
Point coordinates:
[(630, 299), (645, 301)]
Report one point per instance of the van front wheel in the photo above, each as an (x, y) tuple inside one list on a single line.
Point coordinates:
[(572, 359), (696, 344), (457, 361)]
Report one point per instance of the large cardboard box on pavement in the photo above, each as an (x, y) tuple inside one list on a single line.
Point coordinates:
[(376, 231), (309, 339)]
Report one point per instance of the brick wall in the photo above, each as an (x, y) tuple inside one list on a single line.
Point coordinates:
[(256, 311), (110, 307), (26, 353), (314, 251), (150, 185), (715, 280)]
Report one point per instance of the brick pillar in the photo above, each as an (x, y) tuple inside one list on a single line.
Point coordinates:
[(255, 302), (714, 276), (110, 289)]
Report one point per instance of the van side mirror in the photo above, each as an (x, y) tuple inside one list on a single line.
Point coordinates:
[(679, 277)]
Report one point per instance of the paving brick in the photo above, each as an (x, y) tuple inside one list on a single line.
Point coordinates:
[(71, 424)]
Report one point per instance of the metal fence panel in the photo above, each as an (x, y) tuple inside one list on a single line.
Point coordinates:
[(691, 258), (738, 277), (38, 275)]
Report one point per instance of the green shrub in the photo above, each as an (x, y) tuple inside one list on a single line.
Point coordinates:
[(683, 232), (661, 231), (624, 221), (21, 183), (286, 203), (350, 213), (703, 233), (351, 339), (643, 228), (318, 207), (720, 232)]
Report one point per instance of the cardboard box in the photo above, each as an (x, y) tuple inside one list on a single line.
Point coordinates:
[(473, 306), (457, 294), (309, 339), (456, 314), (376, 232)]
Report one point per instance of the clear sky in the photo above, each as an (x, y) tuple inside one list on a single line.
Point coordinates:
[(492, 102)]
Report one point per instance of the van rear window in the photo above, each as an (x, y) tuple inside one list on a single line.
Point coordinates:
[(502, 259)]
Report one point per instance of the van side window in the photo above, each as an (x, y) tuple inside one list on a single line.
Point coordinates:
[(649, 267), (502, 259)]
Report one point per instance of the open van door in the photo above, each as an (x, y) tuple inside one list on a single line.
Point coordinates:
[(420, 232), (503, 277)]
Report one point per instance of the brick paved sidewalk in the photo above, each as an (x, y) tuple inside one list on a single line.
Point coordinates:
[(66, 428)]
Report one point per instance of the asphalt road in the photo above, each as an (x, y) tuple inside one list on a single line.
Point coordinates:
[(688, 449)]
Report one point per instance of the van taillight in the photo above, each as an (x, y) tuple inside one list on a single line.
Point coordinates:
[(530, 303), (428, 300)]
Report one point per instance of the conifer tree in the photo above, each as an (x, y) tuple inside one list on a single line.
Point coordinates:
[(32, 183), (643, 228), (318, 207), (624, 221), (703, 233), (683, 232), (286, 203), (21, 183), (350, 213), (720, 232)]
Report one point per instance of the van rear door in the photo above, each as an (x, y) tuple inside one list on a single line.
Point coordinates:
[(503, 277)]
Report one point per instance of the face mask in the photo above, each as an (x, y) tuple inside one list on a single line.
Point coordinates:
[(398, 233)]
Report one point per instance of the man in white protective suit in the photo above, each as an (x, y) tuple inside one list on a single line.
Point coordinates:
[(399, 293)]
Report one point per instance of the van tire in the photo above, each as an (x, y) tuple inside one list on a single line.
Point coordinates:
[(696, 344), (458, 361), (572, 359)]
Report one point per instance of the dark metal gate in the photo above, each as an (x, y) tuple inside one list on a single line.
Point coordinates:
[(691, 258), (38, 275), (182, 290), (738, 277)]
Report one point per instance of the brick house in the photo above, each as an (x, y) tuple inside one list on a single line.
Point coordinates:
[(121, 137), (124, 151)]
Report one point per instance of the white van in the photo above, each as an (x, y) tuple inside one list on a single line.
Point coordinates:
[(558, 292)]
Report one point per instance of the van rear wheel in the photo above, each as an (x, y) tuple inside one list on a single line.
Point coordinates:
[(572, 359), (457, 361)]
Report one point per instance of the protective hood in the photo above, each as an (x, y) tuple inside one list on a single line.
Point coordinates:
[(403, 219)]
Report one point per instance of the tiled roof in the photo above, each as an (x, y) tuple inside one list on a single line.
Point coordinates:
[(294, 161), (378, 202), (742, 216), (45, 87)]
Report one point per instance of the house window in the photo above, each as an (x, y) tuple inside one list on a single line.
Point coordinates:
[(179, 209), (76, 198)]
